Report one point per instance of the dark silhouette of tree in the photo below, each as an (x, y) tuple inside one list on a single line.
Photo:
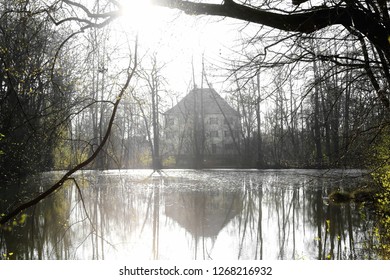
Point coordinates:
[(367, 20), (36, 82), (34, 96)]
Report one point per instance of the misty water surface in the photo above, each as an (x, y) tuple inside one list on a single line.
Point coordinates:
[(189, 214)]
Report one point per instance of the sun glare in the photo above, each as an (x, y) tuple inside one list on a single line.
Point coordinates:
[(140, 15), (178, 40)]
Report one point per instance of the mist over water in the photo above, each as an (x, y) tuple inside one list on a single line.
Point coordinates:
[(189, 214)]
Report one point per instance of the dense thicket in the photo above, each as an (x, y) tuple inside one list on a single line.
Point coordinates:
[(310, 81), (316, 109), (34, 95), (311, 97)]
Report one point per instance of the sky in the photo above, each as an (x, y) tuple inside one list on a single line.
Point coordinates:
[(179, 39)]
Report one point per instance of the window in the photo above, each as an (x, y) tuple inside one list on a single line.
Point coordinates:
[(213, 121), (214, 133), (170, 121), (226, 133)]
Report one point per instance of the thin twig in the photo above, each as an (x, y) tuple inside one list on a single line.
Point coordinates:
[(83, 164)]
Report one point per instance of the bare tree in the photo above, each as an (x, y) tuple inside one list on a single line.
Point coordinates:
[(367, 20), (67, 176), (154, 86)]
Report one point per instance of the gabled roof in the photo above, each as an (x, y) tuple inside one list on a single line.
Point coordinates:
[(213, 103)]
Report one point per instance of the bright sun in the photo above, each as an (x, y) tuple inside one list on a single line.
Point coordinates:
[(140, 15), (178, 40)]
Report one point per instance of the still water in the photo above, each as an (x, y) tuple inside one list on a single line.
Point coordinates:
[(189, 214)]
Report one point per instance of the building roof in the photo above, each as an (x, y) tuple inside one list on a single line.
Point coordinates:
[(213, 103)]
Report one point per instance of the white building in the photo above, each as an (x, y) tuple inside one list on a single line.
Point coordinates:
[(202, 130)]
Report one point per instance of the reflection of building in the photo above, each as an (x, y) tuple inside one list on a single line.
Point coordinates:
[(202, 130), (203, 214)]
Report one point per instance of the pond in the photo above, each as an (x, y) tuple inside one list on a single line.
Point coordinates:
[(196, 214)]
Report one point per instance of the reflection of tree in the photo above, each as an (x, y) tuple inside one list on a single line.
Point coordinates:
[(339, 226), (45, 234), (319, 218), (109, 209), (259, 239), (250, 220), (156, 221), (286, 203), (63, 227), (268, 207), (121, 213), (292, 218), (265, 217)]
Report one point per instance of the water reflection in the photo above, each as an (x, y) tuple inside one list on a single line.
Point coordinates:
[(186, 214), (203, 214)]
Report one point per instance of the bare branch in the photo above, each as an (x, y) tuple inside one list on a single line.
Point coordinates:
[(90, 14), (83, 164), (306, 21)]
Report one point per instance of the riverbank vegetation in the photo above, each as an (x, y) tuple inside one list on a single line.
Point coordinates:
[(306, 100), (312, 92)]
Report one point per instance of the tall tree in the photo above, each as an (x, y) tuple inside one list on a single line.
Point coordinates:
[(153, 86), (367, 20), (34, 95)]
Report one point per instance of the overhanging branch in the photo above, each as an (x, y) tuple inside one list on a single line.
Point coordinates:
[(83, 164), (307, 21)]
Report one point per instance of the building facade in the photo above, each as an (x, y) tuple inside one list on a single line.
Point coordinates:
[(202, 130)]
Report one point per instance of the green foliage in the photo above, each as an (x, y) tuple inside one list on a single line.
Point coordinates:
[(64, 157), (18, 221), (381, 160), (381, 174), (33, 99), (7, 256), (169, 161), (1, 138), (145, 159)]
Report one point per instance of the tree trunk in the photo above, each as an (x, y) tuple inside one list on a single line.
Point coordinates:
[(317, 129), (260, 158)]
